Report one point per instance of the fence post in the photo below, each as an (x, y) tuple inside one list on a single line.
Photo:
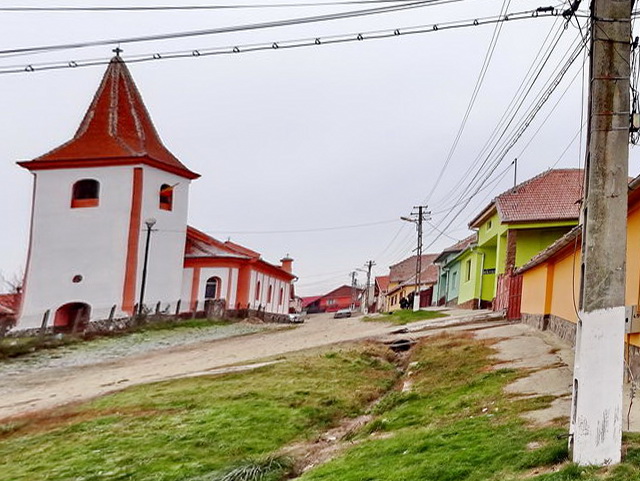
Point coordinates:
[(45, 320)]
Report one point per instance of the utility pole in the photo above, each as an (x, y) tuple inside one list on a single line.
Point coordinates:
[(418, 215), (515, 171), (596, 413), (369, 265), (353, 290)]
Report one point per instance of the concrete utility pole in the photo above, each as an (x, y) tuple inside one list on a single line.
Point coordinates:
[(418, 216), (369, 265), (596, 417), (353, 290)]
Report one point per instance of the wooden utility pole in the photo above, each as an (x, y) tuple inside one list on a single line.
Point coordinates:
[(369, 265), (596, 419), (353, 290), (418, 216)]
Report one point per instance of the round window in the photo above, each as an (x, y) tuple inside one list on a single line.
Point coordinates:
[(77, 278)]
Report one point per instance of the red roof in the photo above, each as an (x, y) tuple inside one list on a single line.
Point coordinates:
[(10, 303), (306, 301), (552, 195), (382, 282), (198, 244), (116, 130), (406, 269)]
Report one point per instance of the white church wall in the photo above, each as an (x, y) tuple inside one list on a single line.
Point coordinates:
[(65, 242), (166, 248), (261, 298)]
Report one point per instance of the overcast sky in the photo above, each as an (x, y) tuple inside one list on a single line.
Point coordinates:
[(312, 138)]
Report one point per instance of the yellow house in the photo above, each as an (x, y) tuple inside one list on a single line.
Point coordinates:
[(402, 281), (551, 281)]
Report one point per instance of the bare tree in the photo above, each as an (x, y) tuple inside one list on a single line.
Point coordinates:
[(12, 284)]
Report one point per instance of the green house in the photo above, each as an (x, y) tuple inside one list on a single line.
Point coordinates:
[(448, 286), (514, 227)]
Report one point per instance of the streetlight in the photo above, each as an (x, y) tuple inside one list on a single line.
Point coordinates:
[(149, 223)]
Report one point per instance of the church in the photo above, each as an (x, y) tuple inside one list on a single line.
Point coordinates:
[(109, 234)]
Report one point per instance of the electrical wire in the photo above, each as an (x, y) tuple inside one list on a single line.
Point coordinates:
[(173, 8), (516, 135), (223, 30), (474, 95), (283, 45)]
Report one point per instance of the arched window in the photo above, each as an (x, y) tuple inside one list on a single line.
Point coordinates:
[(270, 294), (166, 197), (85, 193), (212, 289), (258, 291), (281, 296)]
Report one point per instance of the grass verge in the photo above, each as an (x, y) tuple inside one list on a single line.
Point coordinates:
[(456, 424), (405, 316), (200, 428)]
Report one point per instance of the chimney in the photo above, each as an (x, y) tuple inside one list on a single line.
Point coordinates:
[(287, 264)]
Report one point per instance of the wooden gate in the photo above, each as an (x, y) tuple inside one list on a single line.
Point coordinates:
[(509, 295)]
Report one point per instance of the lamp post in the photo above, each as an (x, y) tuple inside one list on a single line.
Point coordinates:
[(149, 223)]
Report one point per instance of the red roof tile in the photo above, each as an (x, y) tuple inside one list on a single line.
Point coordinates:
[(116, 129), (199, 244), (383, 282), (552, 195), (406, 269), (10, 303)]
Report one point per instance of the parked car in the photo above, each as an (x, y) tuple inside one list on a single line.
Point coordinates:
[(296, 318), (342, 313)]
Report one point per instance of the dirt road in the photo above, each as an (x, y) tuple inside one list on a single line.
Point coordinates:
[(48, 386)]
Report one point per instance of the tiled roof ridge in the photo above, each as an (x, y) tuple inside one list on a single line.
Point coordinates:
[(116, 126)]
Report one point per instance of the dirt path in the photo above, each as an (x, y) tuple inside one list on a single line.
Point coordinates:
[(49, 387)]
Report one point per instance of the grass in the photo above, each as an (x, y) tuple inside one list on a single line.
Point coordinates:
[(406, 316), (19, 346), (454, 425), (201, 428)]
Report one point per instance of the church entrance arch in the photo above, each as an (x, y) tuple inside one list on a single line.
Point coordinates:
[(73, 316)]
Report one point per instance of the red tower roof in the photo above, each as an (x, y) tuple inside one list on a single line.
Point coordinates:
[(116, 130)]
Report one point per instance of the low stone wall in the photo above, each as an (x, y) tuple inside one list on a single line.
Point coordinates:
[(565, 330)]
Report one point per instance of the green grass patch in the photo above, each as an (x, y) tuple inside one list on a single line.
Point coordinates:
[(198, 427), (405, 316), (454, 425)]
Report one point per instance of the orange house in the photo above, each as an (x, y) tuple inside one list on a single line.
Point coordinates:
[(551, 281)]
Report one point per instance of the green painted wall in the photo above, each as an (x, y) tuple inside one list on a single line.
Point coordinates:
[(489, 280), (488, 231), (469, 288), (530, 242)]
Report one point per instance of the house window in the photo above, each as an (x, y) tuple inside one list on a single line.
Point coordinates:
[(281, 299), (270, 294), (467, 274), (212, 289), (85, 193), (489, 224), (258, 291), (166, 197), (331, 302)]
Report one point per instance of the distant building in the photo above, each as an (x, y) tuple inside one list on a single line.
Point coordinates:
[(403, 281), (95, 198), (341, 298)]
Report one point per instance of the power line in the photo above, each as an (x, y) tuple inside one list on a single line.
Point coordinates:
[(221, 30), (515, 136), (293, 231), (283, 45), (172, 8), (474, 95)]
